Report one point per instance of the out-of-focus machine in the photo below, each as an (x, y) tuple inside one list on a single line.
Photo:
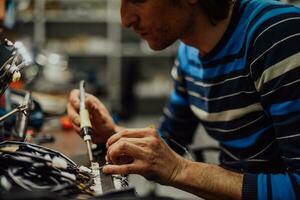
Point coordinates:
[(12, 61)]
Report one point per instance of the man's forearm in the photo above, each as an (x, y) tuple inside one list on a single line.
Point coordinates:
[(209, 181)]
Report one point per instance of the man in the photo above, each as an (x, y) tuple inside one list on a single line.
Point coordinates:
[(238, 74)]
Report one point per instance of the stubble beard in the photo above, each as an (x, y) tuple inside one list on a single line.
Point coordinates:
[(164, 39)]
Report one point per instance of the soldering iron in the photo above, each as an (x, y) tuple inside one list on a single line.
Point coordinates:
[(86, 132), (85, 123)]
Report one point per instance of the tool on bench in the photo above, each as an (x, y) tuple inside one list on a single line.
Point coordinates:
[(103, 183), (86, 132), (85, 123)]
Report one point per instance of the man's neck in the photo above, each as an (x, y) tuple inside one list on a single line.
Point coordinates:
[(205, 36)]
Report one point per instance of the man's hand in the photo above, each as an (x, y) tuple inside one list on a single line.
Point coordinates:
[(142, 151), (101, 120)]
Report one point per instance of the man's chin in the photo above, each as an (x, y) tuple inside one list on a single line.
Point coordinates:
[(158, 46)]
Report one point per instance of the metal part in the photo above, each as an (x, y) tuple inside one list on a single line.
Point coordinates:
[(22, 120), (97, 187), (11, 63), (103, 183), (20, 108), (85, 123)]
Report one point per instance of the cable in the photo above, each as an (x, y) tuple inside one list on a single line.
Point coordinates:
[(31, 167)]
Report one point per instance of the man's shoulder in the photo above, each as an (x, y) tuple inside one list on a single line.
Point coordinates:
[(258, 10)]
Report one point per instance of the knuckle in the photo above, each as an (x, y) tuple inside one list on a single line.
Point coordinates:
[(152, 132), (110, 154), (122, 144), (122, 140), (154, 142)]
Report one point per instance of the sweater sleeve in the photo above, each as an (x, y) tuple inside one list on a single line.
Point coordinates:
[(275, 69), (271, 186)]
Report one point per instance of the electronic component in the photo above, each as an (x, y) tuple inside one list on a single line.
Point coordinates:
[(29, 167), (102, 183)]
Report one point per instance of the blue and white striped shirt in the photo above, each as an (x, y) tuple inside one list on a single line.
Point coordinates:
[(246, 94)]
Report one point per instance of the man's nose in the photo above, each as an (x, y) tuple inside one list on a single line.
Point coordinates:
[(128, 16)]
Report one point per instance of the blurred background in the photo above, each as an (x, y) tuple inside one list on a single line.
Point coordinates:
[(71, 40)]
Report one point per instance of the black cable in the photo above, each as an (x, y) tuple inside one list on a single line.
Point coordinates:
[(31, 167)]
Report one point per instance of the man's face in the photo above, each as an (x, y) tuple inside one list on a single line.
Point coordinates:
[(159, 22)]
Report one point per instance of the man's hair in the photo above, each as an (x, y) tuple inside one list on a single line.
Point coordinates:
[(216, 10)]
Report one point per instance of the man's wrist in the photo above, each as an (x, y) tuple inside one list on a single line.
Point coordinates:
[(180, 172)]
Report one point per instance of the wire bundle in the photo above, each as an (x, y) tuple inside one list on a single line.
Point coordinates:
[(31, 167)]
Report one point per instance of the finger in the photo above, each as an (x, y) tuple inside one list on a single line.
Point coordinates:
[(124, 149), (120, 169), (124, 160), (121, 160), (73, 115), (92, 100), (76, 128), (74, 98), (141, 142), (96, 112), (129, 133)]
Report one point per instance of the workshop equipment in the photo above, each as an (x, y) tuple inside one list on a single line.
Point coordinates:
[(20, 108), (11, 63), (31, 168), (23, 118), (103, 183), (86, 132), (85, 123)]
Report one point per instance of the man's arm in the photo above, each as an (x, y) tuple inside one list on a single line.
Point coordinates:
[(213, 182), (209, 181), (152, 158)]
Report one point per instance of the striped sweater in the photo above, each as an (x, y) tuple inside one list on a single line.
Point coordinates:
[(246, 94)]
